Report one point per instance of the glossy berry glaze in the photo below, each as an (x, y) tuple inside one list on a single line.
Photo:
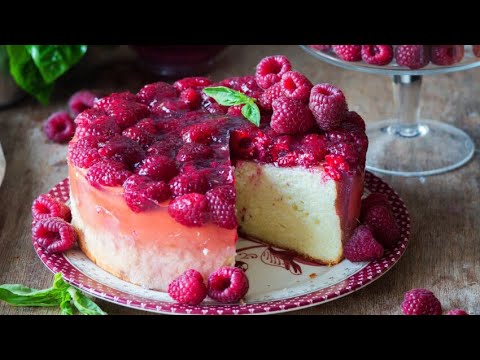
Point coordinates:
[(152, 167)]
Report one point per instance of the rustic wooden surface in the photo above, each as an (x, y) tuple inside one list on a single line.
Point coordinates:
[(444, 253)]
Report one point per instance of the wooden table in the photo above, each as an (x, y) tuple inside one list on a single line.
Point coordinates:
[(444, 253)]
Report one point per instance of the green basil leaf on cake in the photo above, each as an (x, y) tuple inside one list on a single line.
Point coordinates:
[(226, 96), (252, 113)]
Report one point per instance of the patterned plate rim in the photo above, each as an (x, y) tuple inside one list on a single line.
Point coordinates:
[(365, 276)]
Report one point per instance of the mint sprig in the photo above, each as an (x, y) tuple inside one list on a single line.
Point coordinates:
[(228, 97), (60, 294)]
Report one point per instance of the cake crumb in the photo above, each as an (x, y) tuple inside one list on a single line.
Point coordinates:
[(312, 276)]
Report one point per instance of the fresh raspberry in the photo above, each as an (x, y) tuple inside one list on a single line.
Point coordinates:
[(144, 138), (107, 172), (242, 144), (59, 127), (147, 124), (158, 167), (107, 101), (167, 107), (377, 54), (296, 86), (189, 288), (421, 302), (142, 193), (193, 151), (227, 284), (476, 50), (156, 92), (362, 246), (80, 101), (191, 97), (321, 47), (272, 93), (53, 234), (122, 149), (315, 146), (383, 225), (191, 82), (126, 113), (328, 106), (104, 127), (193, 182), (201, 133), (374, 199), (45, 206), (84, 152), (190, 209), (270, 70), (221, 204), (457, 312), (412, 56), (235, 110), (446, 54), (245, 84), (291, 116), (165, 147), (90, 115), (346, 150), (353, 121), (348, 52), (335, 165)]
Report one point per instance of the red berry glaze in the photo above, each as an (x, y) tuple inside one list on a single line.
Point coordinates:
[(158, 167), (59, 127), (271, 69), (446, 54), (412, 56), (123, 149), (348, 52), (189, 288), (221, 204), (189, 210), (291, 116), (362, 246), (421, 302), (54, 235), (377, 54), (142, 137), (227, 284), (80, 101), (45, 207), (328, 106), (296, 86), (194, 151)]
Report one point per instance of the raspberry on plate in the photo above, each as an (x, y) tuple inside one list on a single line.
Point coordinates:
[(291, 116), (53, 234), (228, 284), (107, 172), (59, 127), (457, 312), (45, 206), (190, 209), (412, 56), (189, 288), (446, 54), (221, 204), (348, 52), (381, 221), (421, 302), (80, 101), (377, 54), (295, 85), (142, 193), (270, 70), (328, 106), (362, 246)]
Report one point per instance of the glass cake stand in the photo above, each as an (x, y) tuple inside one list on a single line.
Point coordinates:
[(408, 145)]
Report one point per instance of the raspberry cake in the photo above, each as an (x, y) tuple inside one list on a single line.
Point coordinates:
[(162, 180)]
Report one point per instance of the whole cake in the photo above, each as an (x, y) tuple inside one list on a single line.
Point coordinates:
[(163, 180)]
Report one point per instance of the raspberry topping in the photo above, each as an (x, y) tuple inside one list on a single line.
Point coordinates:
[(80, 101), (142, 137), (362, 246), (107, 101), (90, 115), (123, 149), (412, 56), (227, 284), (45, 207), (382, 222), (193, 151), (198, 82), (446, 54), (377, 54), (291, 116), (193, 182), (59, 127), (189, 288), (348, 52), (190, 209), (148, 125), (158, 167), (272, 93), (271, 69), (107, 172), (200, 133), (328, 106), (126, 113), (296, 86), (421, 302), (235, 110), (84, 152), (103, 126), (156, 92), (221, 204), (191, 97), (457, 312), (142, 193), (55, 235)]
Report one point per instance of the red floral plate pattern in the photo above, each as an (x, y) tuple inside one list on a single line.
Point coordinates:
[(279, 280)]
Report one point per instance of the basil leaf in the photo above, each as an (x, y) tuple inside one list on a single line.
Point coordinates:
[(84, 304), (251, 113), (19, 295), (226, 96), (55, 60), (66, 307), (26, 74)]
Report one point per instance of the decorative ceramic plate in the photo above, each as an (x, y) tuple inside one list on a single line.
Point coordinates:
[(279, 280)]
